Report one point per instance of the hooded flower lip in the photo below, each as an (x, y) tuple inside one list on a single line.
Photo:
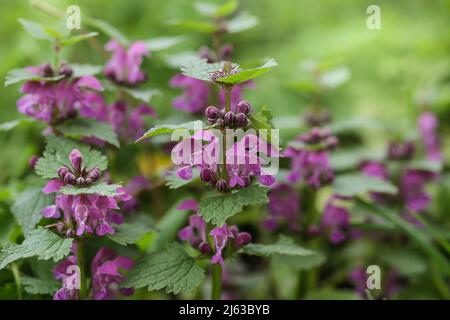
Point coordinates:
[(220, 236), (56, 100), (284, 205), (336, 220), (124, 67)]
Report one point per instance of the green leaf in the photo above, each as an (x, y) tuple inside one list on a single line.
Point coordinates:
[(81, 70), (6, 126), (332, 294), (354, 184), (248, 74), (75, 39), (169, 129), (172, 270), (242, 22), (144, 95), (284, 246), (262, 119), (162, 43), (18, 75), (83, 127), (38, 31), (27, 208), (56, 154), (200, 69), (213, 10), (39, 286), (406, 261), (101, 189), (174, 181), (199, 26), (42, 243), (218, 208), (133, 231), (107, 29)]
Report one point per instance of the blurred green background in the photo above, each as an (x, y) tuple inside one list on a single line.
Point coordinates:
[(387, 66)]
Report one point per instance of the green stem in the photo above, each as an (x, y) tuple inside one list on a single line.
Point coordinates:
[(17, 280), (227, 90), (216, 292), (57, 49), (81, 265)]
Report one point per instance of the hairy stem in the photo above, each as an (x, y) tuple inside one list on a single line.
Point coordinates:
[(216, 291), (17, 280)]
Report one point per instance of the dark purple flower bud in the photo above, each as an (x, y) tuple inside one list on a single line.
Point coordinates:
[(226, 51), (88, 181), (204, 247), (241, 120), (195, 242), (46, 70), (234, 230), (246, 180), (205, 53), (212, 113), (72, 114), (62, 171), (230, 119), (220, 122), (94, 174), (69, 178), (60, 227), (242, 239), (65, 70), (33, 161), (315, 135), (331, 142), (243, 107), (80, 181), (221, 185), (313, 230), (70, 233), (206, 174), (76, 159)]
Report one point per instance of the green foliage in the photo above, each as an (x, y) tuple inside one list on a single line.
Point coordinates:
[(173, 270), (18, 75), (168, 129), (355, 184), (27, 208), (81, 70), (56, 154), (75, 39), (241, 22), (90, 128), (107, 29), (40, 243), (244, 75), (133, 231), (200, 69), (219, 207), (162, 43), (39, 286), (199, 26), (144, 95), (213, 10)]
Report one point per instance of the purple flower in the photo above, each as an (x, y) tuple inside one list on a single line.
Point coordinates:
[(195, 232), (220, 236), (310, 159), (66, 271), (412, 189), (358, 277), (56, 101), (107, 268), (428, 124), (124, 66), (401, 150), (336, 220), (135, 186), (284, 205)]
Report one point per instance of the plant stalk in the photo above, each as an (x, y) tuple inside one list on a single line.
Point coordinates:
[(216, 291), (81, 265)]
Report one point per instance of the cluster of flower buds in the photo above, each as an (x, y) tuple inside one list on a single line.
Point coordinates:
[(227, 70), (47, 71), (318, 136), (230, 119), (224, 54), (78, 175), (401, 150), (317, 119)]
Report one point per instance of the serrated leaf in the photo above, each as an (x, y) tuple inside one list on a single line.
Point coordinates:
[(172, 270), (214, 10), (168, 129), (354, 184), (199, 26), (75, 39), (218, 208), (18, 75), (242, 22), (200, 69), (144, 95), (248, 74), (27, 209), (81, 70), (162, 43), (102, 189), (107, 29), (91, 128), (40, 286), (41, 243), (38, 31), (133, 231), (56, 154)]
